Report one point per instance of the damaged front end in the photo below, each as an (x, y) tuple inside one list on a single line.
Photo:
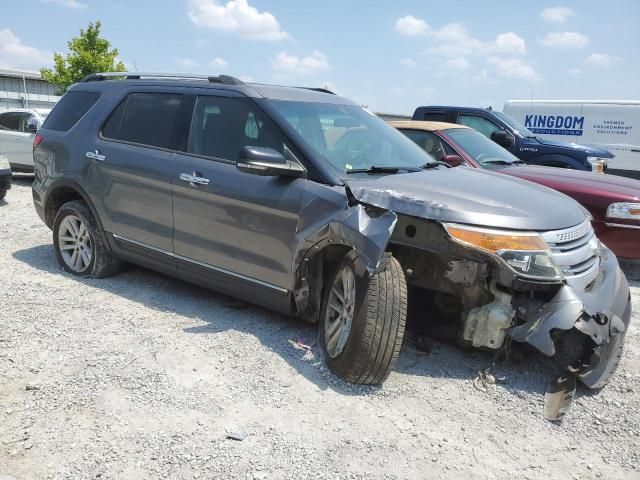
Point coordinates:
[(558, 290)]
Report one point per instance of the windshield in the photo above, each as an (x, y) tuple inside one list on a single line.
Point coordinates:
[(484, 151), (513, 123), (351, 138)]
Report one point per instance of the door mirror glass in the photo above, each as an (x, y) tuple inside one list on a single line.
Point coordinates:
[(504, 139), (32, 125), (453, 160), (267, 162)]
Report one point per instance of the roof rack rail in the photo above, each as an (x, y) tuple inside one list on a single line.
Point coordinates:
[(319, 89), (222, 79)]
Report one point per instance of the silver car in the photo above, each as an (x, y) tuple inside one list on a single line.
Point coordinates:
[(17, 130)]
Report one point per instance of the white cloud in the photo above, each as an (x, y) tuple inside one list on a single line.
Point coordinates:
[(457, 64), (219, 63), (565, 40), (15, 54), (238, 17), (574, 71), (292, 65), (602, 60), (411, 26), (187, 62), (509, 43), (408, 62), (513, 68), (67, 3), (556, 14), (247, 78), (453, 40)]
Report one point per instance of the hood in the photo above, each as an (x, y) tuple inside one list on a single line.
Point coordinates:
[(468, 195), (611, 187), (586, 149)]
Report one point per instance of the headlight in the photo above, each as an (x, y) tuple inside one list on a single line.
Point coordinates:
[(597, 164), (4, 163), (527, 254), (624, 210)]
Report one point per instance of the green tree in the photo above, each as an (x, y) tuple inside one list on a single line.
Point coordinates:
[(88, 53)]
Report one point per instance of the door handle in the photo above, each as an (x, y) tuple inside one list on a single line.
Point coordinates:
[(95, 155), (193, 178)]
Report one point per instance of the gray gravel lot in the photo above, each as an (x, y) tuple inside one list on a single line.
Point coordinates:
[(142, 376)]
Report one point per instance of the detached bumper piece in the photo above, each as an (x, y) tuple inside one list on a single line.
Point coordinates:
[(585, 327)]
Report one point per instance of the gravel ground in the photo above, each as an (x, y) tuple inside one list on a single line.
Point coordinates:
[(142, 376)]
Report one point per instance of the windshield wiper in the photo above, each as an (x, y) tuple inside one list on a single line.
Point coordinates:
[(381, 169), (435, 164), (500, 162)]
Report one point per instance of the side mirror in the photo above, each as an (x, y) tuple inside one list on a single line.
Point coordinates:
[(453, 160), (502, 138), (32, 125), (268, 162)]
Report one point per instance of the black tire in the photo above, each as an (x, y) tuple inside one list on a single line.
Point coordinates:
[(377, 327), (3, 193), (103, 262)]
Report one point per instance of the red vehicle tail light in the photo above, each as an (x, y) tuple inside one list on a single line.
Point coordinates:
[(37, 140)]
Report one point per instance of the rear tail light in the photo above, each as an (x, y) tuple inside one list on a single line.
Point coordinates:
[(37, 140)]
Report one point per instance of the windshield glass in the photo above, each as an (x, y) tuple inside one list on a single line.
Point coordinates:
[(350, 137), (513, 123), (484, 151)]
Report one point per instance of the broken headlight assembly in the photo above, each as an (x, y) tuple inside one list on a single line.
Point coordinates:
[(526, 253)]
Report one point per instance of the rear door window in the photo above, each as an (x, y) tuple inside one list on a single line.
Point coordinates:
[(145, 119), (10, 121), (71, 108), (434, 116)]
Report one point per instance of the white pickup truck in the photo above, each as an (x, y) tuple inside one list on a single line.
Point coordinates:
[(17, 130)]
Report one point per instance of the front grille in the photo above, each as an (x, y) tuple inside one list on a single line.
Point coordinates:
[(577, 253)]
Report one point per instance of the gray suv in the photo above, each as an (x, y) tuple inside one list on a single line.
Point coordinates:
[(306, 203)]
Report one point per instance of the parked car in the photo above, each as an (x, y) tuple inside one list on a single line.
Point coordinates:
[(17, 131), (518, 139), (612, 201), (610, 124), (5, 176), (304, 202)]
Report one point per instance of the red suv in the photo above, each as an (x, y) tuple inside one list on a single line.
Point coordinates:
[(613, 201)]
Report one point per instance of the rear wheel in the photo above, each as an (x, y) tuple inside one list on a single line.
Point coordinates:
[(362, 323), (79, 243)]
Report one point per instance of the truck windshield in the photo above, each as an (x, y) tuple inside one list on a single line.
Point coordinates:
[(484, 151), (513, 123), (351, 138)]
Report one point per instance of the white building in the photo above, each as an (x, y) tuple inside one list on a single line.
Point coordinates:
[(25, 89)]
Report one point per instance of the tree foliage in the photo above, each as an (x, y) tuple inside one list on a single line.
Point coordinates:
[(88, 53)]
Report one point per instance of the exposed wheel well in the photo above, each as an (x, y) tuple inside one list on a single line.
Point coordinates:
[(56, 199)]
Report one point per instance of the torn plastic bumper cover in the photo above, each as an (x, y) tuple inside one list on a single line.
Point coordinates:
[(602, 312)]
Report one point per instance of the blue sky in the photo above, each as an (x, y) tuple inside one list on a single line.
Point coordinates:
[(391, 56)]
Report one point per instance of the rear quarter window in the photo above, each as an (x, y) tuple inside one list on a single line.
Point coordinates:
[(71, 108)]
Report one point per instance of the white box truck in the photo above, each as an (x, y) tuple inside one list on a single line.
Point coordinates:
[(608, 124)]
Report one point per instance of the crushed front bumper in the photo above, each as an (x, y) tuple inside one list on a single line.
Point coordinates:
[(602, 312)]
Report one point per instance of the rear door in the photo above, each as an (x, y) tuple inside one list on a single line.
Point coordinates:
[(15, 143), (232, 226), (129, 170)]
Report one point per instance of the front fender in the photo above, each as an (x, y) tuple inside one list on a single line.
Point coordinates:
[(328, 218)]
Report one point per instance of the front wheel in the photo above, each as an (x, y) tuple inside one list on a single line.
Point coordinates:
[(361, 339), (3, 193)]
